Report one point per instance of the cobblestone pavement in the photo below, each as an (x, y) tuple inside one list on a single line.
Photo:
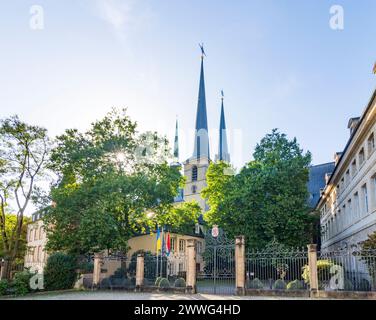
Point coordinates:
[(121, 295)]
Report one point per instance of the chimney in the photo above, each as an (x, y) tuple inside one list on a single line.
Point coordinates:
[(337, 156), (352, 124), (327, 177)]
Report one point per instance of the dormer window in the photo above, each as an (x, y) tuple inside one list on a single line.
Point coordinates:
[(194, 173)]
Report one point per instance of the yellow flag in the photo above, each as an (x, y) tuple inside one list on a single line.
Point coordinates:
[(374, 68), (159, 241)]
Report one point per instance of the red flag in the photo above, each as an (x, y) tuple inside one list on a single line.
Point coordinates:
[(168, 244)]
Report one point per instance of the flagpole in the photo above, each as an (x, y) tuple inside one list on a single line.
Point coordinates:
[(156, 273), (162, 252)]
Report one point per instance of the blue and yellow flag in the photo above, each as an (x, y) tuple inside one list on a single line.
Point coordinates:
[(159, 242)]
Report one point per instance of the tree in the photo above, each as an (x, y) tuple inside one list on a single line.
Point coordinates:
[(113, 182), (10, 223), (23, 154), (267, 200)]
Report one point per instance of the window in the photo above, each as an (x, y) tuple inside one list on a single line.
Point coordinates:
[(35, 234), (353, 168), (349, 213), (365, 199), (173, 244), (371, 144), (181, 245), (361, 156), (40, 232), (347, 176), (194, 189), (194, 173), (356, 206)]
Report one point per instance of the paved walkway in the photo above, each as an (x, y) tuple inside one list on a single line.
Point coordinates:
[(122, 295)]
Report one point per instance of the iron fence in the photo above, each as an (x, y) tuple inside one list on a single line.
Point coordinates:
[(165, 272), (276, 269), (349, 270)]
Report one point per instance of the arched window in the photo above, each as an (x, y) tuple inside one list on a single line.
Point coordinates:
[(194, 173)]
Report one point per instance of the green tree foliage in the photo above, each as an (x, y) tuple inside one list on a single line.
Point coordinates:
[(23, 154), (368, 253), (113, 182), (267, 200), (60, 271), (10, 224)]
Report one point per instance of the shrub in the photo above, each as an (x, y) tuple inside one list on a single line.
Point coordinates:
[(180, 283), (157, 281), (164, 283), (295, 285), (348, 285), (120, 273), (279, 285), (60, 272), (255, 284), (4, 286), (364, 285), (20, 284), (323, 272)]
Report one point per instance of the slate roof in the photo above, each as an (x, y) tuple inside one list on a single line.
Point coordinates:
[(317, 181)]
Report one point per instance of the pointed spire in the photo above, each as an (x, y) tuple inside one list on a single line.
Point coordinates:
[(223, 154), (176, 142), (201, 144)]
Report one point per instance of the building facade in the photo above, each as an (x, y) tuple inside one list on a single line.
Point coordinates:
[(36, 256), (347, 204)]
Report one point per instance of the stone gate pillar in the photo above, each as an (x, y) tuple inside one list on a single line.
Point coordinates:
[(312, 264), (240, 265), (140, 269), (97, 269), (191, 266)]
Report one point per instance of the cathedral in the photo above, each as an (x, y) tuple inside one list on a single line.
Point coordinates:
[(196, 166)]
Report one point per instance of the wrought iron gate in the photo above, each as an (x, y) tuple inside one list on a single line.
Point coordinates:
[(216, 274)]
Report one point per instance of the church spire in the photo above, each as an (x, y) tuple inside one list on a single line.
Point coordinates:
[(223, 154), (201, 143), (176, 142)]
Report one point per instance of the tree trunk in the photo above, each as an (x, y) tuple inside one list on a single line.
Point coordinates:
[(6, 270)]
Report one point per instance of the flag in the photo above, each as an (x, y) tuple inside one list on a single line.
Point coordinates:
[(163, 244), (168, 244), (159, 245), (374, 68)]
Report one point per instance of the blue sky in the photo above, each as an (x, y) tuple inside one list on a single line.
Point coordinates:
[(278, 62)]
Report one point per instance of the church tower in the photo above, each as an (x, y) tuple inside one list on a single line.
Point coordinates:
[(195, 167), (223, 154)]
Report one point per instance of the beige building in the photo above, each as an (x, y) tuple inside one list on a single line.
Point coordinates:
[(348, 202), (36, 256)]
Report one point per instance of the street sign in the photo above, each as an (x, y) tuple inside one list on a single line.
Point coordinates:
[(215, 231)]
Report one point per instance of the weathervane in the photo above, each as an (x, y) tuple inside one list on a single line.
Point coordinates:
[(201, 45)]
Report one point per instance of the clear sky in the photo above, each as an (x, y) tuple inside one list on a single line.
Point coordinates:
[(278, 62)]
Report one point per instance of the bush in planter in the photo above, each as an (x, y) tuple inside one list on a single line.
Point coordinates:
[(279, 285), (295, 285), (157, 281), (180, 283), (60, 272), (4, 286), (255, 284), (164, 283)]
